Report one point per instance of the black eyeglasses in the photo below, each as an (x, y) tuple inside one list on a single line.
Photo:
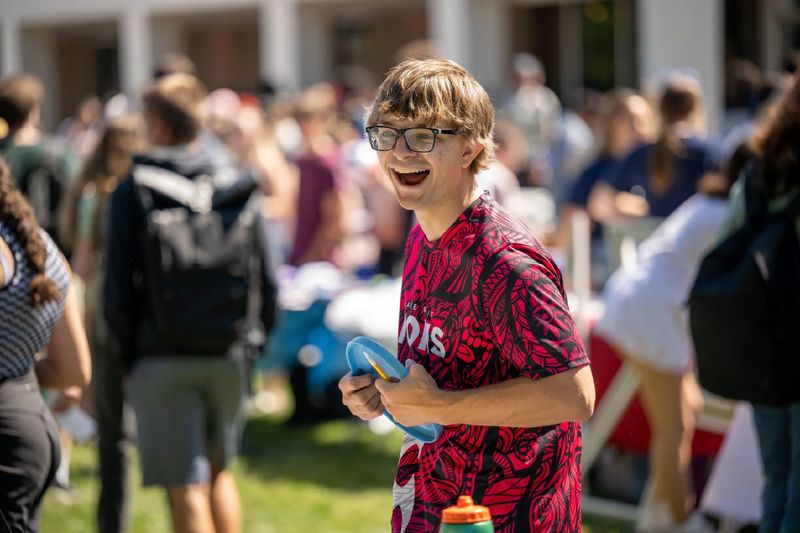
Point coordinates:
[(418, 139)]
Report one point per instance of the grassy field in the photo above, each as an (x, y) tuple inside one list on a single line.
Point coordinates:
[(334, 477)]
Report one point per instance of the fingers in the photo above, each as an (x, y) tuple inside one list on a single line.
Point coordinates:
[(360, 396), (368, 409), (375, 405), (351, 383)]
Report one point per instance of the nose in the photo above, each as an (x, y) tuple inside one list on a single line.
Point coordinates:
[(401, 149)]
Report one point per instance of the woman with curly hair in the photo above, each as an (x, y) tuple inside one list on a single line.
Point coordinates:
[(775, 145), (42, 343)]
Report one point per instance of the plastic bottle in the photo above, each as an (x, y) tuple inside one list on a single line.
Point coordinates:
[(466, 517)]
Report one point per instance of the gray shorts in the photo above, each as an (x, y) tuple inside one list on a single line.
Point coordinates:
[(189, 417)]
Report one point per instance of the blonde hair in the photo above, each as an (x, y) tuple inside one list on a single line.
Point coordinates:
[(432, 90), (110, 160), (176, 99), (628, 103)]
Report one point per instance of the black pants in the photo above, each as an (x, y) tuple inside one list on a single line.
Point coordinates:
[(29, 453), (112, 443)]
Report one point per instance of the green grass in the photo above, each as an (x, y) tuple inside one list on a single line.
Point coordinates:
[(334, 477)]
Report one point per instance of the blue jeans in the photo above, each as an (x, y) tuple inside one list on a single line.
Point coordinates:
[(779, 440)]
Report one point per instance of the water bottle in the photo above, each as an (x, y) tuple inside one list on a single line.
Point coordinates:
[(466, 517)]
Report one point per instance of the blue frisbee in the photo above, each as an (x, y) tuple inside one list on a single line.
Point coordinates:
[(359, 352)]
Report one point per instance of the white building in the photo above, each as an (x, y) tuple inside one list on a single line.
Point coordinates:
[(80, 47)]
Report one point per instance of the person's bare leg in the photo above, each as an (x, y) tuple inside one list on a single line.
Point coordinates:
[(670, 411), (226, 509), (191, 510)]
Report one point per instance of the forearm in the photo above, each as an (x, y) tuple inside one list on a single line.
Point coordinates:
[(520, 402)]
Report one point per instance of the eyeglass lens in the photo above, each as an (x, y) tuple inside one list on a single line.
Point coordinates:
[(417, 139)]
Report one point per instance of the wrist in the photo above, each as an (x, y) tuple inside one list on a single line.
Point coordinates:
[(444, 407)]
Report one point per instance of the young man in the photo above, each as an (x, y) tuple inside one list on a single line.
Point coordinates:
[(485, 331), (188, 398)]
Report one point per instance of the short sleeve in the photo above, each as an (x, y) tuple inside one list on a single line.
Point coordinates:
[(527, 314), (579, 195), (6, 264)]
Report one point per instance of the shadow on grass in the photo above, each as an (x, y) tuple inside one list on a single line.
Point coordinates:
[(341, 454)]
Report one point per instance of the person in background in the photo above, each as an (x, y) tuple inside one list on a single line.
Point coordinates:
[(500, 179), (79, 131), (319, 217), (645, 320), (39, 313), (654, 179), (83, 227), (500, 364), (252, 143), (188, 405), (775, 147), (43, 166), (625, 121), (536, 109), (573, 147)]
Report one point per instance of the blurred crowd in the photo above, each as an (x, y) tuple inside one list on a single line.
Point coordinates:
[(638, 162)]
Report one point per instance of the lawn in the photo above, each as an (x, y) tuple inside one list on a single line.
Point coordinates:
[(333, 476)]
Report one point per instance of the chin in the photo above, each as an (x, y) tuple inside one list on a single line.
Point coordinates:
[(410, 201)]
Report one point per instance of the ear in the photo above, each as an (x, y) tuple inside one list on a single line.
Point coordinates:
[(471, 150)]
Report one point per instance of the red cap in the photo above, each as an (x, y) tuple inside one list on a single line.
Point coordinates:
[(465, 512)]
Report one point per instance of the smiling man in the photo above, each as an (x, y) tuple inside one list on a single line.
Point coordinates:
[(492, 351)]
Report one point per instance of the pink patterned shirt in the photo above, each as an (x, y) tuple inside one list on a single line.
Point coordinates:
[(484, 304)]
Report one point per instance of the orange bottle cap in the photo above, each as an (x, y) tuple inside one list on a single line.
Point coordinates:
[(465, 512)]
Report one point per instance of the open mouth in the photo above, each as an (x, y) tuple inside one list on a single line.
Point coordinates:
[(411, 178)]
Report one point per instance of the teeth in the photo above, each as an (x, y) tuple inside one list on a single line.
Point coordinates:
[(411, 171)]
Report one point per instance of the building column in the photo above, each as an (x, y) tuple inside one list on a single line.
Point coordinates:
[(449, 26), (771, 17), (37, 46), (135, 48), (624, 44), (492, 44), (9, 46), (680, 34), (279, 43), (570, 50)]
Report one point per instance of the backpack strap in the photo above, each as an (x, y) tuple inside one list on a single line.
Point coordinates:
[(196, 194), (756, 205)]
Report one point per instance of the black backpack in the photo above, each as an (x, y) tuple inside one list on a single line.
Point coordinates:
[(207, 277), (744, 307)]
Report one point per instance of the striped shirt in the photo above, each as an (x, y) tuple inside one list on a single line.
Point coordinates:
[(25, 330)]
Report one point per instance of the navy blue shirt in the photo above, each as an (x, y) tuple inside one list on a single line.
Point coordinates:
[(596, 171), (697, 158)]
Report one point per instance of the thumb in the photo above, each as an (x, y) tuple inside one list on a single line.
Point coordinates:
[(410, 363)]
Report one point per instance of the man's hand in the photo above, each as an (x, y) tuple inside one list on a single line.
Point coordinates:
[(360, 396), (411, 401)]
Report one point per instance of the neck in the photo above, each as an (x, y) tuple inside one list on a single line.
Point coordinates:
[(435, 220), (27, 134)]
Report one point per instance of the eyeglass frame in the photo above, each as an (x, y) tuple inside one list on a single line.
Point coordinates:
[(401, 132)]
